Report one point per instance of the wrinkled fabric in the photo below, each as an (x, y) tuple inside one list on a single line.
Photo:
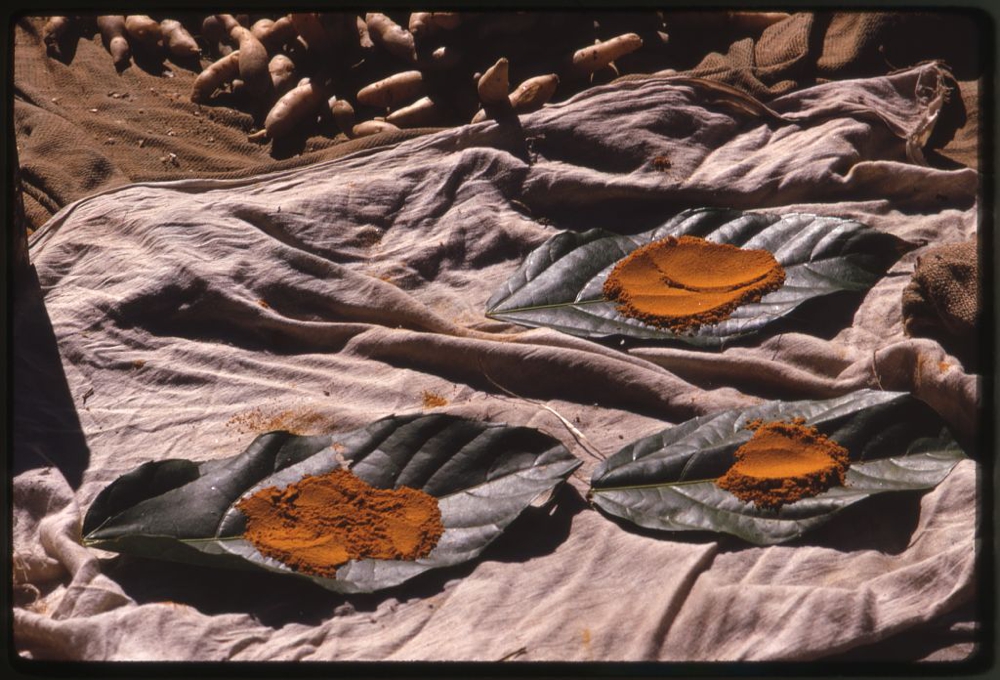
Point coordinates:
[(192, 315)]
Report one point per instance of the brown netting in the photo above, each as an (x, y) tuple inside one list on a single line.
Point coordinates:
[(81, 127)]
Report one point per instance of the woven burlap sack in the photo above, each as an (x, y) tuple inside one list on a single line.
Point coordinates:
[(942, 300)]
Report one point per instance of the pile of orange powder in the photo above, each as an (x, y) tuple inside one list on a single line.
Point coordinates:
[(784, 462), (685, 282), (322, 521)]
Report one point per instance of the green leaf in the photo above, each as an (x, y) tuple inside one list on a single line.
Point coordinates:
[(667, 480), (483, 475), (559, 285)]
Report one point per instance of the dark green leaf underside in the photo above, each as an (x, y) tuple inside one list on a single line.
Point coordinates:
[(559, 284), (484, 475), (666, 481)]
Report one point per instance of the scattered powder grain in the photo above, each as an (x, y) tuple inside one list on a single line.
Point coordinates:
[(685, 282), (296, 421), (322, 521), (661, 163), (432, 400), (784, 462)]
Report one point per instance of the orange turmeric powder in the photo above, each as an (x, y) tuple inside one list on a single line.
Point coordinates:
[(322, 521), (784, 462), (683, 282)]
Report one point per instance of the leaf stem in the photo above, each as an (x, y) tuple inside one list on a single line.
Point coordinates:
[(493, 312), (651, 486)]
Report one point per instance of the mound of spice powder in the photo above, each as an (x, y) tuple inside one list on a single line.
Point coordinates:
[(320, 522), (685, 282), (784, 462)]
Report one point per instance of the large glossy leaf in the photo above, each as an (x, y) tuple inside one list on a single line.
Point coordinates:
[(559, 285), (667, 480), (483, 475)]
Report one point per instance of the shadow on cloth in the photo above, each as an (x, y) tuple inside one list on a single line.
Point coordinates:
[(46, 426), (923, 642), (884, 522), (276, 600), (628, 215)]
